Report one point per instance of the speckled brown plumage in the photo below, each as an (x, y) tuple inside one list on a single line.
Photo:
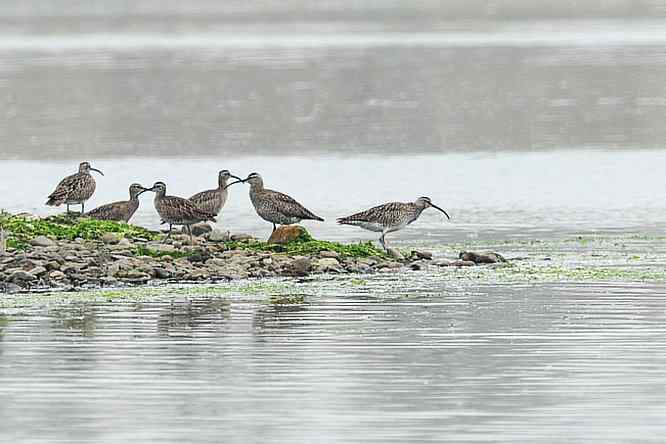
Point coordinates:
[(276, 207), (119, 211), (389, 217), (212, 201), (75, 189), (175, 210)]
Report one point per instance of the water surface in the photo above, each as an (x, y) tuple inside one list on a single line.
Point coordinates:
[(491, 364)]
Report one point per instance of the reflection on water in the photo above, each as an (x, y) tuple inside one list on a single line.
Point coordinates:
[(498, 364)]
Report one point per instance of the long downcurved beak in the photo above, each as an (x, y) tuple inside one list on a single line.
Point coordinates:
[(95, 169), (236, 181), (436, 207), (143, 190)]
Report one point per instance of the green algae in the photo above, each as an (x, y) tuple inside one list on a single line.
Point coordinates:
[(306, 245), (22, 229), (287, 299), (242, 289)]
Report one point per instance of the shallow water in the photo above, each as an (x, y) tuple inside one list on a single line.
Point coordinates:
[(358, 364)]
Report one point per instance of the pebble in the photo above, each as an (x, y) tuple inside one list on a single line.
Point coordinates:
[(328, 265), (395, 254), (110, 238), (218, 235), (42, 241)]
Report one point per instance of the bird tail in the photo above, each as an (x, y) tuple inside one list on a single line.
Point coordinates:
[(318, 218), (53, 201)]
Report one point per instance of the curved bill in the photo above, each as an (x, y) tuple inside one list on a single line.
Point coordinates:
[(143, 190), (236, 181), (436, 207), (95, 169)]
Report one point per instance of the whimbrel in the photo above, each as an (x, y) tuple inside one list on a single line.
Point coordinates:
[(75, 189), (276, 207), (177, 210), (212, 201), (119, 211), (390, 217)]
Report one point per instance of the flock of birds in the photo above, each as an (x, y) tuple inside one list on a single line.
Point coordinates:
[(272, 206)]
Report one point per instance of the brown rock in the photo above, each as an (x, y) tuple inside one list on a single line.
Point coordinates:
[(286, 234), (481, 258)]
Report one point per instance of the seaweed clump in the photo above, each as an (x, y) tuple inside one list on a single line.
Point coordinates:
[(306, 245), (23, 228)]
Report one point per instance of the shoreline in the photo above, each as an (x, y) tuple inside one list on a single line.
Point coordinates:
[(69, 254)]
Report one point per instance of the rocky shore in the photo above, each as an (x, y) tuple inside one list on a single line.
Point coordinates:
[(126, 255)]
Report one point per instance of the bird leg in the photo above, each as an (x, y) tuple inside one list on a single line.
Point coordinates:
[(67, 208), (274, 226), (83, 208), (383, 242), (168, 235), (189, 230)]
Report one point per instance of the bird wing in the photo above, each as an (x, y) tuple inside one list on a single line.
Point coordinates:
[(289, 207), (206, 200), (63, 189), (189, 210), (385, 214), (111, 211)]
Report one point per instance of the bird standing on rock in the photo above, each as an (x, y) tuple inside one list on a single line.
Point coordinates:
[(212, 201), (119, 211), (275, 207), (177, 210), (390, 217), (75, 189)]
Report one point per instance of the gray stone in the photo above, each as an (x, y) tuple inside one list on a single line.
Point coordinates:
[(161, 273), (301, 266), (21, 276), (110, 238), (162, 248), (481, 258), (124, 242), (241, 237), (427, 255), (218, 235), (38, 271), (134, 275), (42, 241), (395, 254), (216, 262), (461, 263), (329, 254), (57, 275), (442, 262), (199, 229), (328, 265)]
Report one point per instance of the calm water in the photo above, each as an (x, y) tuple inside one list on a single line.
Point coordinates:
[(501, 364), (523, 121)]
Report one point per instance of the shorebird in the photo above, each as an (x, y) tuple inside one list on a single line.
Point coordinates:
[(390, 217), (212, 201), (177, 210), (119, 211), (75, 189), (275, 207)]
